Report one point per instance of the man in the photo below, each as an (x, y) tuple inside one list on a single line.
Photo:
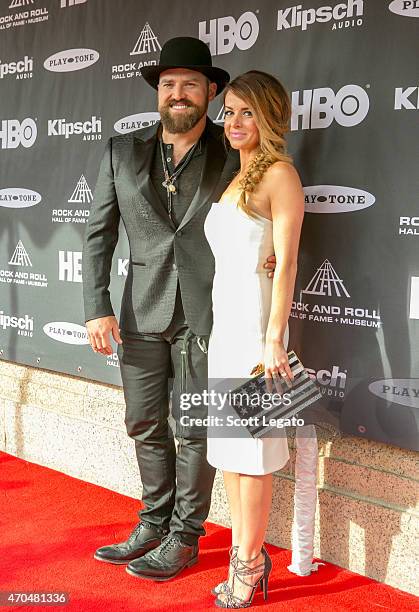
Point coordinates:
[(161, 181)]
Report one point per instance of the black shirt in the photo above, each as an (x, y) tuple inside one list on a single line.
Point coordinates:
[(187, 182)]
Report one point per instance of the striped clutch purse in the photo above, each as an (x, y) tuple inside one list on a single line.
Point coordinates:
[(261, 410)]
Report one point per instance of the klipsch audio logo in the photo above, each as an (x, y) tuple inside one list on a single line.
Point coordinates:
[(15, 133), (403, 391), (406, 98), (69, 333), (70, 266), (136, 122), (15, 197), (318, 108), (19, 69), (336, 199), (343, 15), (146, 47), (81, 194), (71, 60), (23, 17), (407, 8), (225, 33), (91, 129), (23, 325), (20, 259), (320, 305), (409, 226), (332, 382)]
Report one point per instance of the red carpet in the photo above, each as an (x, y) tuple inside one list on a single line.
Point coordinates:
[(50, 524)]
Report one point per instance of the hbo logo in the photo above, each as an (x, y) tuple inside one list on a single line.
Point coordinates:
[(225, 33), (319, 107), (14, 133)]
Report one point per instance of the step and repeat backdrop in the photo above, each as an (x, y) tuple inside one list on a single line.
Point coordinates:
[(70, 77)]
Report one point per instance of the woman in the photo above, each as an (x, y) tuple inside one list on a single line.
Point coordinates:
[(262, 209)]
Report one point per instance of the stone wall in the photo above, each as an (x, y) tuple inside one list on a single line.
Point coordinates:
[(367, 514)]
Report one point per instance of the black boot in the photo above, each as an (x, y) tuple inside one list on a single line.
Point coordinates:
[(144, 538), (166, 561)]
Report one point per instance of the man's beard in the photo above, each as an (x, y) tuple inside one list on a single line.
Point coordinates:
[(180, 123)]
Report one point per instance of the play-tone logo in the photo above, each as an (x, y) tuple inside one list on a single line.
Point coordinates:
[(136, 122), (20, 256), (403, 391), (336, 199), (69, 333), (21, 69), (147, 42), (318, 108), (17, 197), (407, 98), (406, 8), (14, 133), (344, 15), (71, 60), (225, 33)]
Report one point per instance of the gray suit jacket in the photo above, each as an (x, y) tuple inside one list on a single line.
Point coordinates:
[(160, 254)]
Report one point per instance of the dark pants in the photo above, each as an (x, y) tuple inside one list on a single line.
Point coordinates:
[(176, 486)]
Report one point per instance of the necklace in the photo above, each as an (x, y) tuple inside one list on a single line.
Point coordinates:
[(170, 179)]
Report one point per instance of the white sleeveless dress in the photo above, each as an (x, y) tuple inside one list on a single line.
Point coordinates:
[(241, 305)]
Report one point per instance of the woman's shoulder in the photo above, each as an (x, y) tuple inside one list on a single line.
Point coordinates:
[(281, 170), (280, 174)]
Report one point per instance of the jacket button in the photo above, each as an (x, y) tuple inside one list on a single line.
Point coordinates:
[(174, 267)]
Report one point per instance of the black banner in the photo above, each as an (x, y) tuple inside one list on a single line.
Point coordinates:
[(70, 77)]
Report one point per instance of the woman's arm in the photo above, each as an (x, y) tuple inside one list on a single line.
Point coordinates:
[(283, 187)]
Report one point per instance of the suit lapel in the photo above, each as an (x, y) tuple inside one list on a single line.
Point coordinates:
[(144, 146), (213, 164)]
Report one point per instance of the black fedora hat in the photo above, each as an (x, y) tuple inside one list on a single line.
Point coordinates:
[(190, 53)]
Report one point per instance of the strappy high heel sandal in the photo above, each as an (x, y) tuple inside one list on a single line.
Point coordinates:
[(223, 587), (241, 571)]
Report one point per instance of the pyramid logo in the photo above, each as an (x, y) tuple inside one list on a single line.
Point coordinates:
[(19, 3), (326, 282), (220, 117), (82, 193), (147, 42), (20, 256)]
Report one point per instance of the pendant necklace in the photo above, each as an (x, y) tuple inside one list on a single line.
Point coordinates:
[(170, 179)]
